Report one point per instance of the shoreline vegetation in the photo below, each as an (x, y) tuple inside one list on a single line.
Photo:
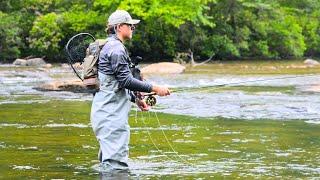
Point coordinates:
[(175, 30)]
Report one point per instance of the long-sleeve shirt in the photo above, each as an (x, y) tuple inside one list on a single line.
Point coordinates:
[(114, 60)]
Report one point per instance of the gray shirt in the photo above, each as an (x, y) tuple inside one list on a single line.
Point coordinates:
[(114, 60)]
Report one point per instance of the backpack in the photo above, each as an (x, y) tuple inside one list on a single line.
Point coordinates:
[(90, 64)]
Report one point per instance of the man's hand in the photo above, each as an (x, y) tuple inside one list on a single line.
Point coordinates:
[(142, 105), (161, 90)]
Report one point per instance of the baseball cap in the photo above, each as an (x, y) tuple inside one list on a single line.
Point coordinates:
[(121, 16)]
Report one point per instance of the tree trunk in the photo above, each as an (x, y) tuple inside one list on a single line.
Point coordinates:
[(192, 63)]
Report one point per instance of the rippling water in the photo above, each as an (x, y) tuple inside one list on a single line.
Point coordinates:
[(299, 104), (52, 139)]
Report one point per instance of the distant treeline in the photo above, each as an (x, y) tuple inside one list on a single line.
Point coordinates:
[(224, 29)]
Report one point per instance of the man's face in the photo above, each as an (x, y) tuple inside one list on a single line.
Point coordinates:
[(126, 30)]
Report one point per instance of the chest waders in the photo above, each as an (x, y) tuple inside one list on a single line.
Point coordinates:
[(109, 119)]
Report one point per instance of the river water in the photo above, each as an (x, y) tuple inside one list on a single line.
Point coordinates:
[(53, 139), (209, 102)]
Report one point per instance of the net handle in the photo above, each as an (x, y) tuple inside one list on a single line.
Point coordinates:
[(69, 57)]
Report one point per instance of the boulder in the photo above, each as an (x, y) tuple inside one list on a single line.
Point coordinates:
[(30, 62), (67, 85), (311, 62), (35, 62), (163, 68), (20, 62)]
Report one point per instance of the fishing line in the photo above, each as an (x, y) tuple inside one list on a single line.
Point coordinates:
[(152, 141), (166, 138), (181, 159), (206, 89), (158, 149), (136, 116)]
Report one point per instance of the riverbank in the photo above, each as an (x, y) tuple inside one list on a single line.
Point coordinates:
[(256, 67)]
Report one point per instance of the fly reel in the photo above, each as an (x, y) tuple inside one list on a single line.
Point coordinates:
[(151, 100)]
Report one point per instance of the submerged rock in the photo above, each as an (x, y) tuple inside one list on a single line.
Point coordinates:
[(163, 68), (313, 88)]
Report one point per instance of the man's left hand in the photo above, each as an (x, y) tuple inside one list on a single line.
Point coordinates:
[(142, 105)]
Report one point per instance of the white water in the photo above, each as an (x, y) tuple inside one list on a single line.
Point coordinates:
[(231, 104)]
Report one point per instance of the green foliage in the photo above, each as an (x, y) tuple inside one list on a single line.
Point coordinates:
[(174, 12), (226, 29), (311, 32), (220, 47), (167, 26), (286, 39), (46, 34), (10, 40), (78, 19)]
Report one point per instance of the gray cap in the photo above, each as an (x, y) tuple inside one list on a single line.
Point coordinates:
[(121, 16)]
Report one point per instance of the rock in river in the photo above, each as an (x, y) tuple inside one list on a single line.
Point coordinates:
[(30, 62), (311, 62), (66, 85), (163, 68)]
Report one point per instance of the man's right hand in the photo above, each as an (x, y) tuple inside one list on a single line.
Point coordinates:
[(161, 90)]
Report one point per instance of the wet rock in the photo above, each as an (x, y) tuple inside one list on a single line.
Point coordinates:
[(163, 68), (29, 62), (20, 62), (67, 85), (311, 62), (35, 62)]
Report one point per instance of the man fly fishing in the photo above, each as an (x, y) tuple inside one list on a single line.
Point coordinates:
[(112, 103)]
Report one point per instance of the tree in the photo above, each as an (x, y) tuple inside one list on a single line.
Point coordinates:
[(10, 41), (46, 34), (214, 29)]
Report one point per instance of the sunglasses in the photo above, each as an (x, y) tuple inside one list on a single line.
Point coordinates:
[(132, 27)]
